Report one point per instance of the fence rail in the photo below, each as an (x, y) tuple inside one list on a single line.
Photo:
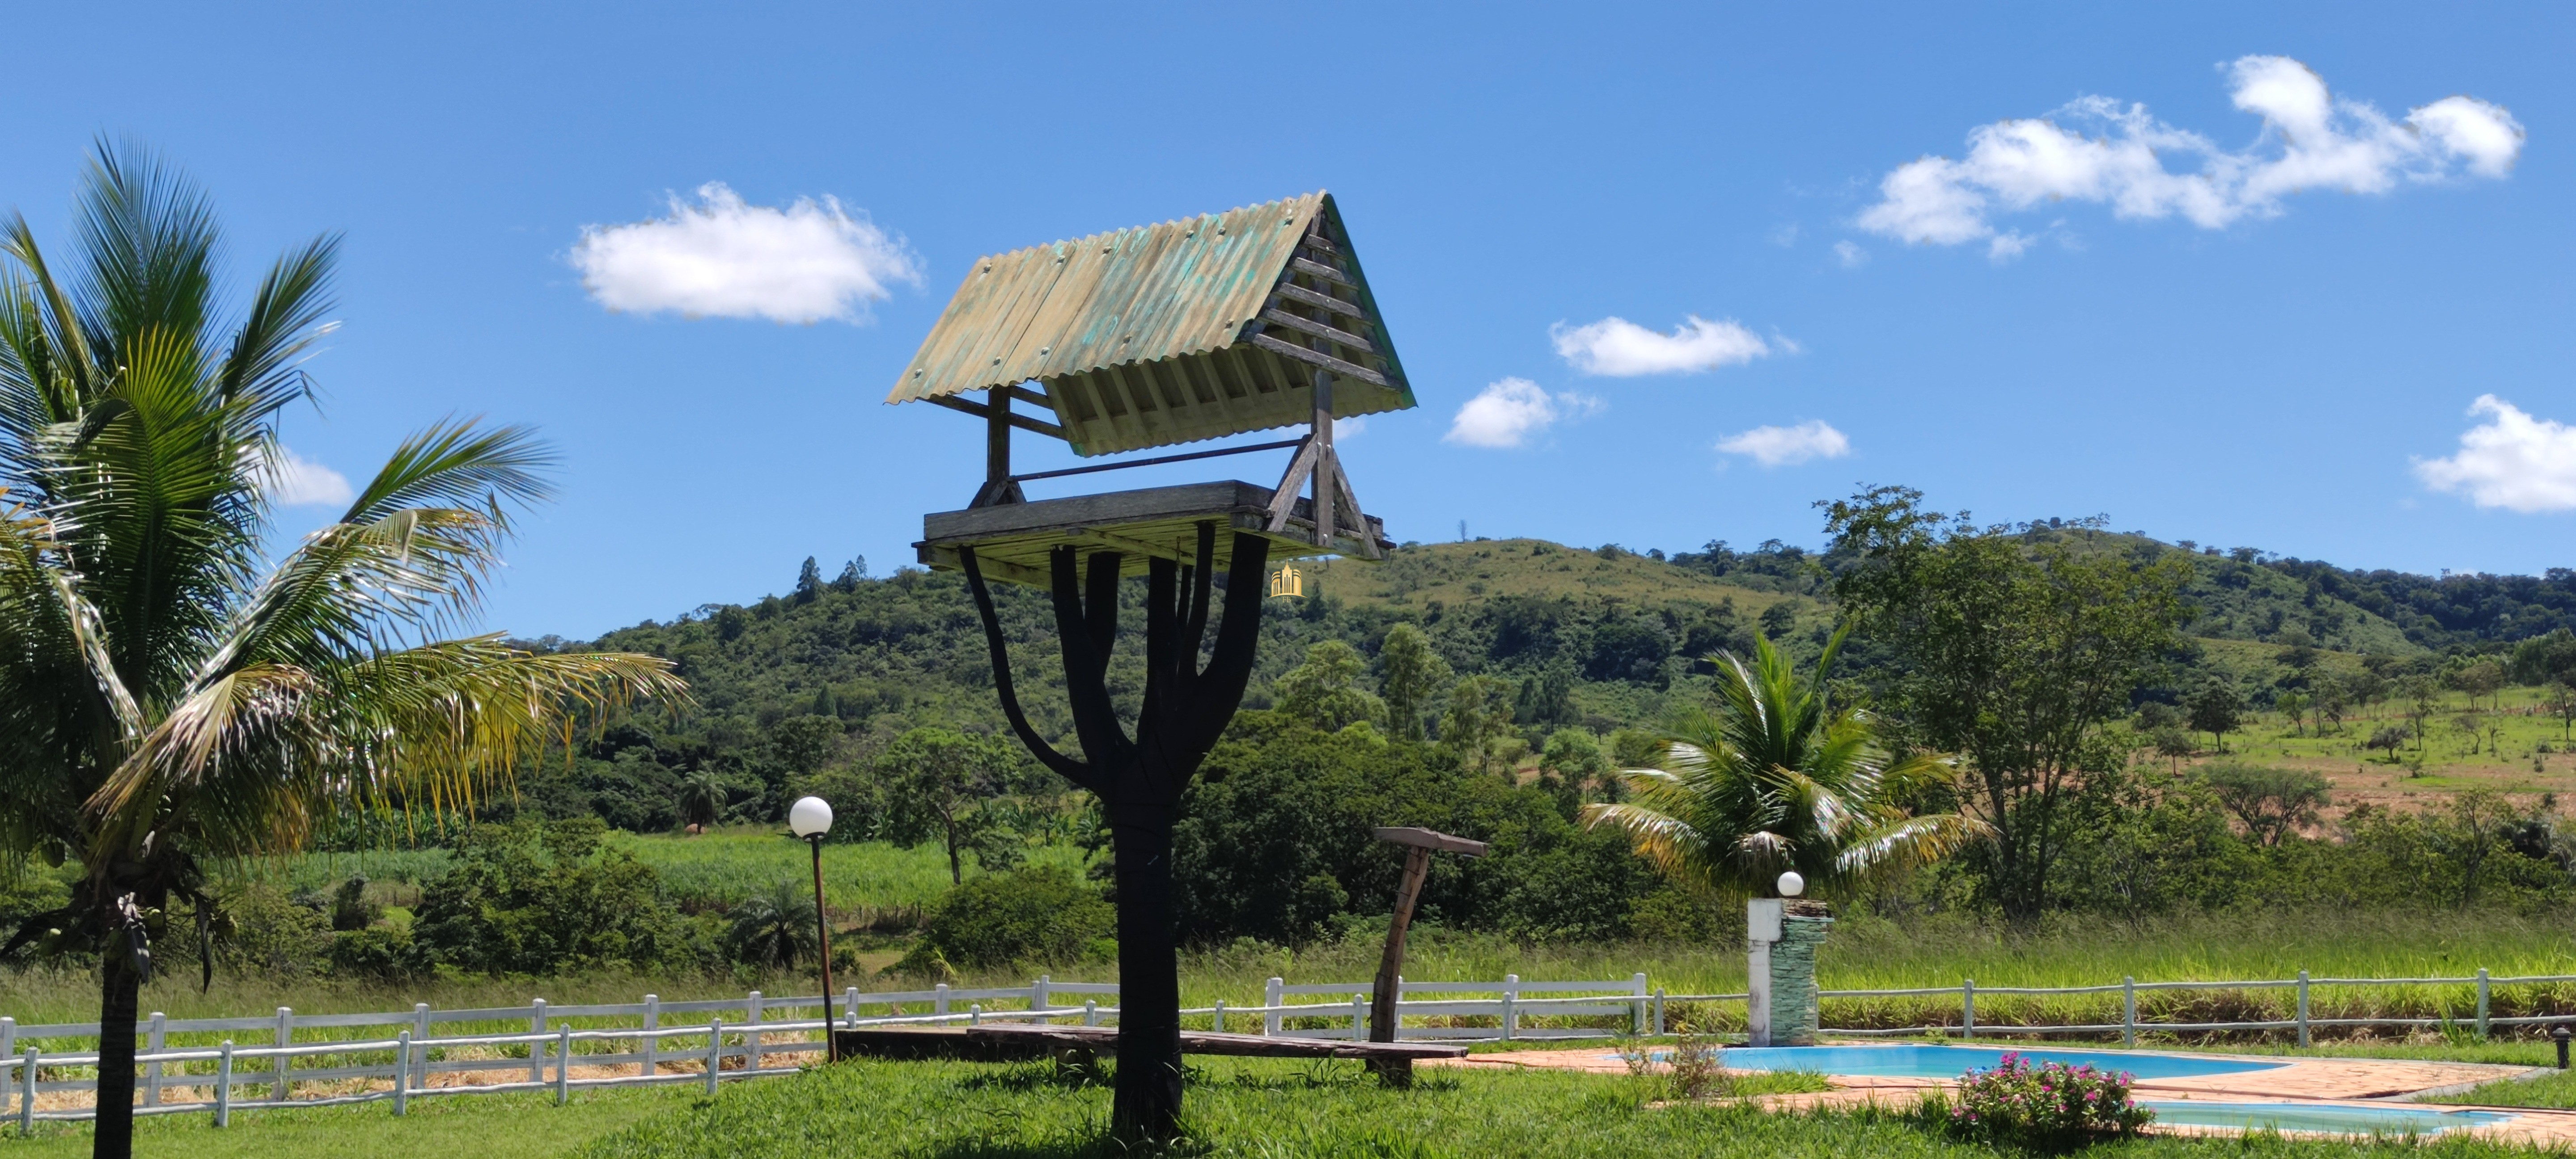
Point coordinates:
[(656, 1042)]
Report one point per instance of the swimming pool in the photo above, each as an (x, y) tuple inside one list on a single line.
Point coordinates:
[(2316, 1117), (1949, 1062)]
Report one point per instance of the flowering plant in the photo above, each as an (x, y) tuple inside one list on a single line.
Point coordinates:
[(2044, 1106)]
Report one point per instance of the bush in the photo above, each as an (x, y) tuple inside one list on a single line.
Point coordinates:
[(376, 954), (2045, 1107), (525, 900), (1041, 914)]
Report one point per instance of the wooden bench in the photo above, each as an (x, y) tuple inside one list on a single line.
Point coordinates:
[(1079, 1045)]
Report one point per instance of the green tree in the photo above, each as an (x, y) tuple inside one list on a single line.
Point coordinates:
[(2017, 652), (1776, 778), (1477, 729), (2271, 803), (702, 798), (2333, 700), (167, 697), (1325, 691), (2420, 700), (774, 927), (809, 582), (1571, 767), (2216, 710), (2483, 678), (2560, 700), (938, 784), (2294, 704), (1411, 673), (2173, 744)]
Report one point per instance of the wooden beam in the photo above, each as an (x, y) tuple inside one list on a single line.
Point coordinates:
[(1319, 330), (979, 410), (1321, 270), (1315, 358), (1321, 301), (1421, 838), (1031, 397)]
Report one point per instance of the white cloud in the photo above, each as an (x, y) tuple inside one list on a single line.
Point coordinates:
[(1622, 349), (1344, 428), (1509, 412), (2512, 460), (295, 481), (723, 258), (2310, 140), (1851, 256), (1788, 446)]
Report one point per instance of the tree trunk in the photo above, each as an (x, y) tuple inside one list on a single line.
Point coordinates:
[(1148, 1104), (119, 990), (956, 874)]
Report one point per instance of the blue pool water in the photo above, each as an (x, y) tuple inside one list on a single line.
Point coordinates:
[(1949, 1062), (2396, 1120)]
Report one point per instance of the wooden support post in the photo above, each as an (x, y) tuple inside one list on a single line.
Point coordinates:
[(998, 486), (1419, 844), (1321, 477)]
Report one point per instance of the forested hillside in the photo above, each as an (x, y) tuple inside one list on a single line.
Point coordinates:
[(1601, 638)]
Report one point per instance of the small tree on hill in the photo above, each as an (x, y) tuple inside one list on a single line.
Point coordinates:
[(941, 785), (2484, 678), (2560, 700), (2388, 737), (2217, 710), (1411, 673), (1324, 691), (2294, 704), (2272, 803)]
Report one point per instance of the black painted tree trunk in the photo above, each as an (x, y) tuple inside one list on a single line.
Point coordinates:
[(120, 990), (1139, 780)]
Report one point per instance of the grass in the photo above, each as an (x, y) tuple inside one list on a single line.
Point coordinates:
[(2556, 1090), (511, 1126), (2509, 759)]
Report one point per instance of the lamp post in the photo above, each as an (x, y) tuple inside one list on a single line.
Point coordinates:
[(811, 818)]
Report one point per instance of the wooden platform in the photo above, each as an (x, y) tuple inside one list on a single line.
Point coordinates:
[(1011, 540), (1023, 1041)]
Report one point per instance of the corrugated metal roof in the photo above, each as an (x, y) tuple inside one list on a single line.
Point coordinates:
[(1152, 336)]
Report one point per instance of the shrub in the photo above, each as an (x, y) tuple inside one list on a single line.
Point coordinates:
[(2046, 1107), (525, 900), (1041, 914)]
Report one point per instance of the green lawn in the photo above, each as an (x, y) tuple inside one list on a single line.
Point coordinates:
[(1257, 1108)]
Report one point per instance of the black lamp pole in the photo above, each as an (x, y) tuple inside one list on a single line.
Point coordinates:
[(823, 928)]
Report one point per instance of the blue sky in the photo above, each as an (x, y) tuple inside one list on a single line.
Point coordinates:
[(2257, 332)]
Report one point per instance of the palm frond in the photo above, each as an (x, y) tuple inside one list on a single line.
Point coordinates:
[(457, 463)]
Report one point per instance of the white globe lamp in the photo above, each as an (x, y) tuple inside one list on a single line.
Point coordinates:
[(1791, 885), (810, 817)]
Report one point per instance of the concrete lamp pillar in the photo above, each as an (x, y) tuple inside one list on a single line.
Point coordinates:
[(1781, 936)]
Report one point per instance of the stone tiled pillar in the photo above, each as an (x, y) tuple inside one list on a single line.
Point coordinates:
[(1793, 973)]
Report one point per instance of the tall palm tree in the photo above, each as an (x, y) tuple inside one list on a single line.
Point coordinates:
[(1776, 778), (168, 698)]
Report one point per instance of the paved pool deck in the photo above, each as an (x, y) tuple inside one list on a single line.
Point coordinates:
[(2324, 1081)]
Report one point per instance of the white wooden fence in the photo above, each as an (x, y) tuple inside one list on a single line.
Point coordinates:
[(399, 1056)]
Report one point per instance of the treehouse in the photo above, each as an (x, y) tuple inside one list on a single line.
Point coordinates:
[(1189, 331)]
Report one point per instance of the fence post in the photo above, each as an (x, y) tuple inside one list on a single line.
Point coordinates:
[(153, 1040), (975, 1014), (1091, 1012), (2303, 1009), (8, 1036), (2482, 1004), (850, 1007), (1659, 1011), (537, 1050), (715, 1051), (1511, 996), (277, 1091), (224, 1086), (563, 1067), (1038, 997), (652, 1042), (939, 998), (1270, 1019), (1359, 1017), (2128, 1010), (751, 1039), (1220, 1016), (27, 1094), (1967, 1008), (402, 1072), (419, 1031)]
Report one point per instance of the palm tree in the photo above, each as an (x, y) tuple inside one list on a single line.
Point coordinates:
[(702, 798), (774, 928), (1775, 778), (166, 698)]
